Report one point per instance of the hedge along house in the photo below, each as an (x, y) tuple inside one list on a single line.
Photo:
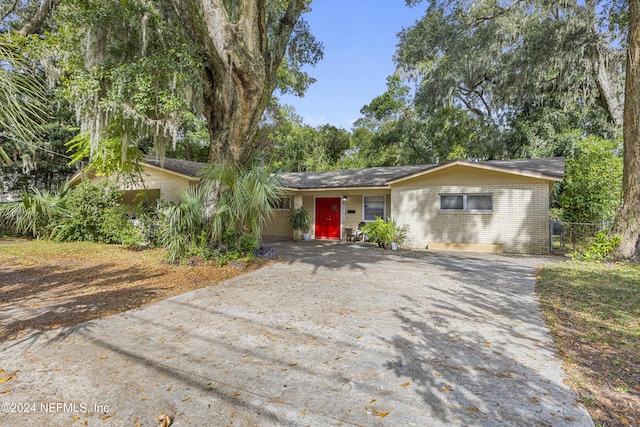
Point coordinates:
[(494, 206)]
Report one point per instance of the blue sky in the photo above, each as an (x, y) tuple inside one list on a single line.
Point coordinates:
[(359, 38)]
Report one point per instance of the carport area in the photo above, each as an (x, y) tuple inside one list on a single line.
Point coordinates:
[(330, 334)]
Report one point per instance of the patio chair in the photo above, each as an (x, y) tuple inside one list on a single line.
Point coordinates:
[(348, 234), (359, 234)]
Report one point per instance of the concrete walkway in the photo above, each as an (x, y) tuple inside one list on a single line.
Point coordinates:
[(330, 335)]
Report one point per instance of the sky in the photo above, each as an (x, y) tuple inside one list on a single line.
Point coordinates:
[(359, 38)]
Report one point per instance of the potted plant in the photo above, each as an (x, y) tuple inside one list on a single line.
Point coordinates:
[(398, 233), (300, 221), (387, 233), (378, 231)]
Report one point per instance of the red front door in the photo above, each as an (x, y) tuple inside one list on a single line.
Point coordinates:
[(327, 218)]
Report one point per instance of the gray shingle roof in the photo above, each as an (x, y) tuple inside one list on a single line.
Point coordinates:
[(380, 177), (184, 167), (371, 177), (551, 167), (374, 177)]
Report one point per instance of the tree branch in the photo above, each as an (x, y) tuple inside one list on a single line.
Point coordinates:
[(471, 108), (38, 19), (283, 33), (501, 11), (9, 10)]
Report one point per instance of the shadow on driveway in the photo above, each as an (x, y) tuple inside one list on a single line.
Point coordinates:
[(332, 334)]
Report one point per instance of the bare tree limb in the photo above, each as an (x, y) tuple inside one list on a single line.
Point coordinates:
[(46, 7)]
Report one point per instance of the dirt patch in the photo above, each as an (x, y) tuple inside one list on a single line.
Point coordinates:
[(41, 291)]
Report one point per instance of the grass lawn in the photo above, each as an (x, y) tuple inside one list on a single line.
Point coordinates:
[(593, 313), (46, 285)]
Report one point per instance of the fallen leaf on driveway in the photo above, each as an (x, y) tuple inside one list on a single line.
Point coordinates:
[(446, 389), (5, 391), (165, 420), (406, 384), (8, 377)]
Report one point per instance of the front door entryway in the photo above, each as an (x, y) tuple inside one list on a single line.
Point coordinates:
[(327, 225)]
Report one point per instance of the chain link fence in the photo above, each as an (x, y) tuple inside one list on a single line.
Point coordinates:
[(572, 236)]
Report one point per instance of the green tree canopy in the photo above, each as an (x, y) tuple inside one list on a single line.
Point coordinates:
[(140, 69), (592, 188), (498, 58)]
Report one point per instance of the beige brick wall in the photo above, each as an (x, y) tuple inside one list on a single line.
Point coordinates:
[(519, 220), (279, 227), (169, 184)]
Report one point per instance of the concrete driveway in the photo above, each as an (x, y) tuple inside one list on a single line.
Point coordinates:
[(332, 334)]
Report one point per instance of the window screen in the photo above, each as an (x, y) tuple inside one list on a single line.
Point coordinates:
[(479, 202), (373, 207), (283, 203), (466, 202), (452, 202)]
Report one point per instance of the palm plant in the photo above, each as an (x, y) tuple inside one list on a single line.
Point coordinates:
[(21, 96), (243, 198), (227, 212), (183, 225), (36, 212)]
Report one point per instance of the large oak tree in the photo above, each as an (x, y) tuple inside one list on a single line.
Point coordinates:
[(243, 43), (137, 70), (628, 224)]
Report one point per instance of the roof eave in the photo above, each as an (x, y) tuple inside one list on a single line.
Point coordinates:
[(529, 174), (189, 177), (298, 189)]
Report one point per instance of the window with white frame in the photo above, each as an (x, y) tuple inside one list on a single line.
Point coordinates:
[(466, 202), (283, 203), (373, 206)]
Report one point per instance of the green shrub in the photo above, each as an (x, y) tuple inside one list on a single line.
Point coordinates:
[(148, 226), (601, 249), (386, 232), (591, 189), (93, 214)]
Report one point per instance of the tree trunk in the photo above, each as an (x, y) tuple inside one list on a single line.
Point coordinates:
[(242, 55), (46, 7), (628, 224), (233, 108), (609, 96)]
